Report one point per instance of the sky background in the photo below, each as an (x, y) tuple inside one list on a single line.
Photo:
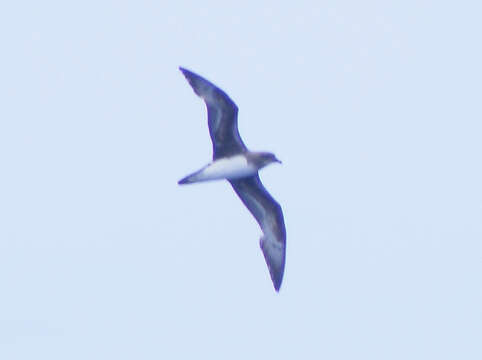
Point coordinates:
[(374, 107)]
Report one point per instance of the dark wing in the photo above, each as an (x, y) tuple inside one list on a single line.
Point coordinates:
[(222, 116), (269, 216)]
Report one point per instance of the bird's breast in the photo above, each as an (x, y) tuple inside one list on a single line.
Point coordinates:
[(231, 168)]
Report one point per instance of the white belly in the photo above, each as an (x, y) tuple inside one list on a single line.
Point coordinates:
[(228, 168)]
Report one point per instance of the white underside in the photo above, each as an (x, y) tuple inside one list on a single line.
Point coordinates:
[(227, 168)]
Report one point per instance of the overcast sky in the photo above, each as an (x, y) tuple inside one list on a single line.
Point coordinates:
[(374, 107)]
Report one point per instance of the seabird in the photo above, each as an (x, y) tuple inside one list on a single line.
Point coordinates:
[(234, 162)]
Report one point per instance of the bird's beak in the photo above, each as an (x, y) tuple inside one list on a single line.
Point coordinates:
[(278, 161)]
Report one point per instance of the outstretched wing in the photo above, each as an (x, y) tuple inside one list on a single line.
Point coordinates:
[(269, 216), (222, 116)]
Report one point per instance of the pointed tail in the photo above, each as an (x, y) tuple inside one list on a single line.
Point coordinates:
[(187, 180), (191, 178)]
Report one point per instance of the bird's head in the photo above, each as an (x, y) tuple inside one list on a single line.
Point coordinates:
[(265, 158)]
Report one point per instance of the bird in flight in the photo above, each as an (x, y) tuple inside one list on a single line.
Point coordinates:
[(234, 162)]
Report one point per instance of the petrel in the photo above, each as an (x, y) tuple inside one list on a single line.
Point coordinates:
[(234, 162)]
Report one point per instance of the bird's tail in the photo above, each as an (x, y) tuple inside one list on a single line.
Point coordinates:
[(191, 178)]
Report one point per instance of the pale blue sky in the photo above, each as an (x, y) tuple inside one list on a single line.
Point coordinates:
[(374, 108)]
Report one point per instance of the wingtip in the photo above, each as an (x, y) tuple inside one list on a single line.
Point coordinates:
[(187, 73), (275, 259), (197, 83), (277, 280)]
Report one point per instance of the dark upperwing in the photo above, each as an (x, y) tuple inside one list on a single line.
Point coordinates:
[(269, 216), (222, 116)]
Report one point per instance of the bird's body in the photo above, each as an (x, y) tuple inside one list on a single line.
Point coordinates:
[(234, 162), (230, 168)]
